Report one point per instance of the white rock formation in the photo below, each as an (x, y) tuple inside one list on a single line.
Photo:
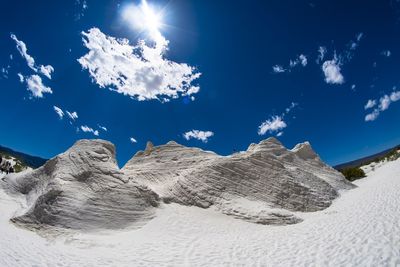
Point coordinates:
[(83, 188), (263, 185)]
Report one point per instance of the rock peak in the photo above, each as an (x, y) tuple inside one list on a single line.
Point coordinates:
[(149, 146)]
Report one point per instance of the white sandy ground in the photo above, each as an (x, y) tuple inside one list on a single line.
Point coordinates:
[(361, 228)]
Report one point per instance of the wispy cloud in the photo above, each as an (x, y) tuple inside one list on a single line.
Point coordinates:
[(199, 135), (87, 129), (370, 104), (81, 6), (30, 61), (133, 140), (59, 112), (299, 60), (386, 53), (102, 128), (272, 125), (278, 69), (141, 71), (72, 115), (321, 54), (384, 104), (276, 123)]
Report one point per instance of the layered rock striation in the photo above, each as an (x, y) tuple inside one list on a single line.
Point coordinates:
[(83, 188)]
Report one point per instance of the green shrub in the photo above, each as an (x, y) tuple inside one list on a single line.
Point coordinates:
[(353, 174)]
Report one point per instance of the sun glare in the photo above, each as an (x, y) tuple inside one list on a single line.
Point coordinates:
[(143, 17), (152, 19)]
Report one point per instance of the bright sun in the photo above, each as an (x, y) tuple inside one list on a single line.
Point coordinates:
[(152, 20), (143, 17)]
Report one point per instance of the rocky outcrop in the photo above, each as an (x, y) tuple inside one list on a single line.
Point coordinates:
[(83, 188), (264, 184)]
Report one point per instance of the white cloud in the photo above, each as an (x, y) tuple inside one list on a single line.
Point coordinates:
[(303, 60), (395, 96), (140, 71), (199, 135), (21, 47), (133, 140), (384, 103), (72, 115), (278, 69), (370, 104), (372, 116), (272, 125), (332, 72), (35, 85), (46, 70), (279, 134), (59, 112), (87, 129), (386, 53), (102, 127), (4, 71), (353, 86), (30, 61), (21, 77), (292, 106), (321, 54)]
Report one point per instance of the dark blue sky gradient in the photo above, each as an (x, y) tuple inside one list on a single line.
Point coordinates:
[(234, 44)]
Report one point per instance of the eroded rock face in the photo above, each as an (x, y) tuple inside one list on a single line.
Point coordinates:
[(264, 184), (83, 188)]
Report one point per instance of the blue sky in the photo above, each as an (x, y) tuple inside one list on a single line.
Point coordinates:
[(214, 74)]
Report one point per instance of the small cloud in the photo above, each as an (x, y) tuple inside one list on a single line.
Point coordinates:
[(72, 115), (300, 60), (292, 106), (199, 135), (353, 87), (372, 116), (11, 57), (102, 127), (59, 112), (321, 54), (30, 61), (35, 85), (332, 72), (303, 60), (278, 69), (279, 134), (272, 125), (359, 36), (81, 7), (370, 104), (4, 72), (386, 53), (133, 140), (384, 104), (21, 47), (21, 77), (46, 70), (87, 129)]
